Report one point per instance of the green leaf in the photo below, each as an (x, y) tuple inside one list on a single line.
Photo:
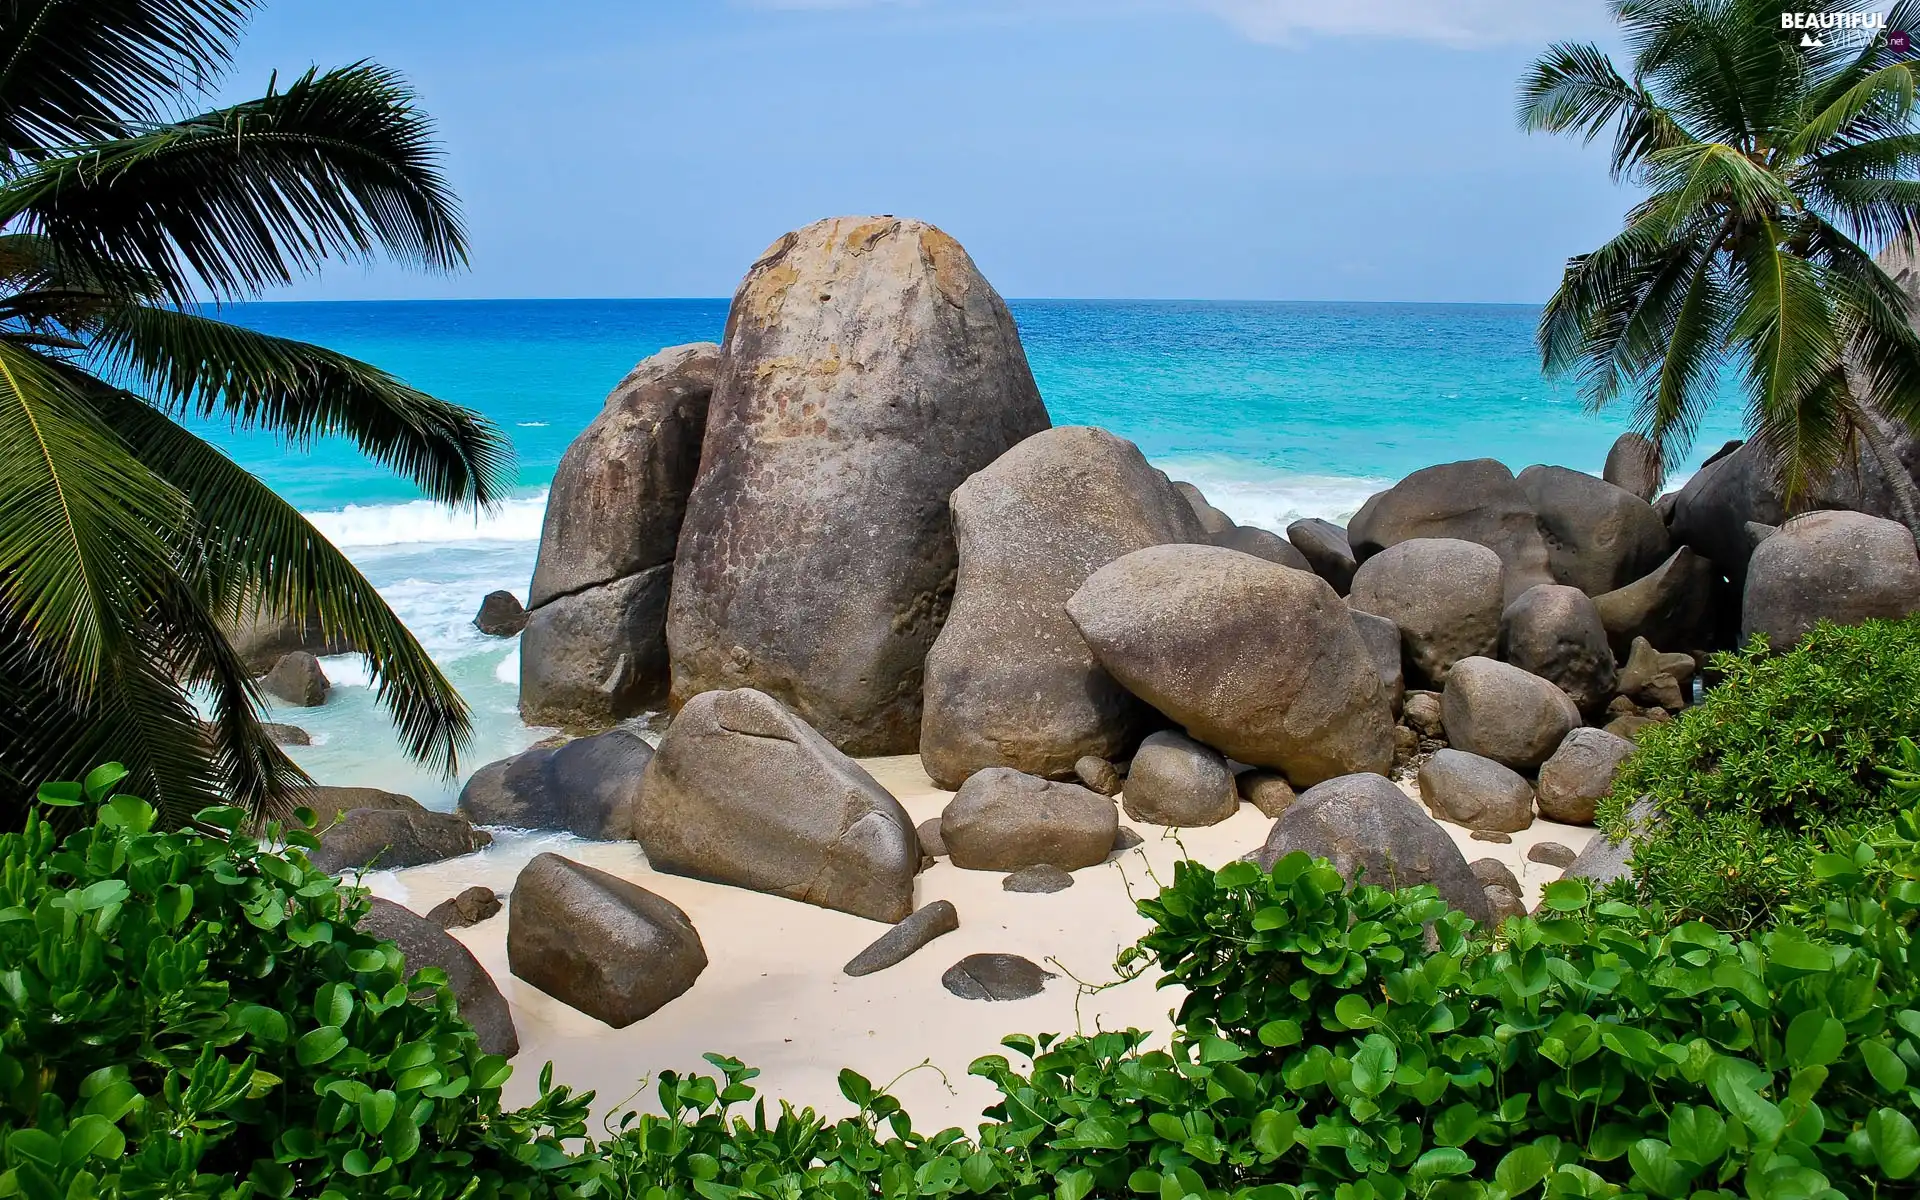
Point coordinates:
[(980, 1174), (1522, 1169), (1374, 1064), (1886, 1066), (101, 781), (61, 795), (376, 1111), (1566, 895), (1218, 1049), (1274, 1131), (318, 1045), (1895, 1144), (1280, 1034), (1654, 1164), (1354, 1012), (1815, 1039), (1073, 1185), (1442, 1162)]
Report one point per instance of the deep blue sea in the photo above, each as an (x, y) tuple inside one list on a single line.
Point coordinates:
[(1276, 410)]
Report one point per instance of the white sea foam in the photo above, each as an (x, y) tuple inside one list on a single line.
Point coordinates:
[(516, 520), (509, 669), (1273, 499), (347, 670)]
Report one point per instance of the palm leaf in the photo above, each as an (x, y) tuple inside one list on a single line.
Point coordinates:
[(338, 165)]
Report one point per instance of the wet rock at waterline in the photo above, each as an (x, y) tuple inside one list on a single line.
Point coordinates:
[(426, 944), (742, 791), (867, 370), (286, 735), (501, 615), (297, 679), (898, 944), (588, 787), (261, 638), (596, 656), (389, 839), (610, 948), (470, 907), (1003, 820), (995, 977), (1258, 661), (1009, 681)]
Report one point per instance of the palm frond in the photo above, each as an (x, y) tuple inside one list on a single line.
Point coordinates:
[(338, 165), (194, 364), (74, 70), (1886, 95)]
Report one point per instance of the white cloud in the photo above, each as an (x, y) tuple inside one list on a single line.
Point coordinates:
[(1464, 23)]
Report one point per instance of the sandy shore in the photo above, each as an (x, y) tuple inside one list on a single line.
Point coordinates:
[(774, 996)]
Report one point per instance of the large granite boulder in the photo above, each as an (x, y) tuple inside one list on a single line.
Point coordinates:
[(1580, 774), (261, 636), (1712, 511), (1501, 712), (1672, 605), (329, 803), (1263, 543), (1599, 537), (1325, 547), (1174, 780), (868, 370), (425, 944), (610, 948), (297, 679), (1475, 501), (588, 787), (744, 792), (1216, 523), (1370, 830), (1554, 631), (1844, 567), (595, 646), (1009, 681), (1382, 637), (1003, 820), (1475, 792), (1604, 860), (1444, 594), (388, 839), (1633, 466), (1258, 661)]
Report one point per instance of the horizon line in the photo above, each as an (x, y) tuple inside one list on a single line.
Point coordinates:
[(729, 300)]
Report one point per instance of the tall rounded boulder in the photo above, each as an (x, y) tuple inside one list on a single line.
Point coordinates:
[(1599, 537), (1475, 501), (1258, 661), (744, 792), (594, 648), (868, 369), (1554, 631), (1633, 466), (1009, 681), (1501, 712), (1445, 595), (1844, 567)]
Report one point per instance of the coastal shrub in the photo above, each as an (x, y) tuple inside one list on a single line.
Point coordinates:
[(1758, 778), (192, 1013)]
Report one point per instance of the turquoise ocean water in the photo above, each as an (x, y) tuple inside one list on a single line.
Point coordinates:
[(1276, 411)]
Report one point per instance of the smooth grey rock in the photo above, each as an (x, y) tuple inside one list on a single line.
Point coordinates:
[(389, 839), (424, 944), (1501, 712), (1552, 854), (1843, 567), (1009, 681), (1505, 903), (1382, 637), (1629, 726), (1599, 537), (995, 977), (594, 657), (1267, 791), (1126, 838), (1476, 792), (1493, 871), (1633, 465), (1672, 605), (1422, 710), (1476, 501), (1324, 545), (744, 792), (1370, 830), (1259, 661), (1554, 631), (472, 906), (329, 804), (610, 948), (1263, 543), (1002, 820), (1444, 594), (1098, 775), (619, 493), (867, 370), (1040, 879), (287, 735), (1176, 781), (297, 680), (1757, 533), (1493, 836), (898, 944), (931, 843), (501, 615), (1580, 775), (587, 786), (1605, 860), (1215, 522)]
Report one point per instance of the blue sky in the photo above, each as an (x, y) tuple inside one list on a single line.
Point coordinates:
[(1275, 149)]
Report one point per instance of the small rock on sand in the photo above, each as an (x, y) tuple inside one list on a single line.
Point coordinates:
[(1126, 838), (1098, 775), (470, 907), (1490, 871), (1553, 854), (928, 831), (1489, 835), (1504, 902), (995, 977), (896, 945), (1267, 791), (1042, 878)]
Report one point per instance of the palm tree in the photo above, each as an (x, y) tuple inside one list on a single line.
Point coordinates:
[(126, 540), (1766, 165)]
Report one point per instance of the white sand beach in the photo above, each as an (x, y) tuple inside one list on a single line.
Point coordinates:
[(773, 994)]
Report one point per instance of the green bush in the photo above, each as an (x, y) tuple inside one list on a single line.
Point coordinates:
[(1753, 782), (188, 1013)]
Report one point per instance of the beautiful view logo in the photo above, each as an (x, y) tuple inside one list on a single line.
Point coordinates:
[(1816, 26)]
